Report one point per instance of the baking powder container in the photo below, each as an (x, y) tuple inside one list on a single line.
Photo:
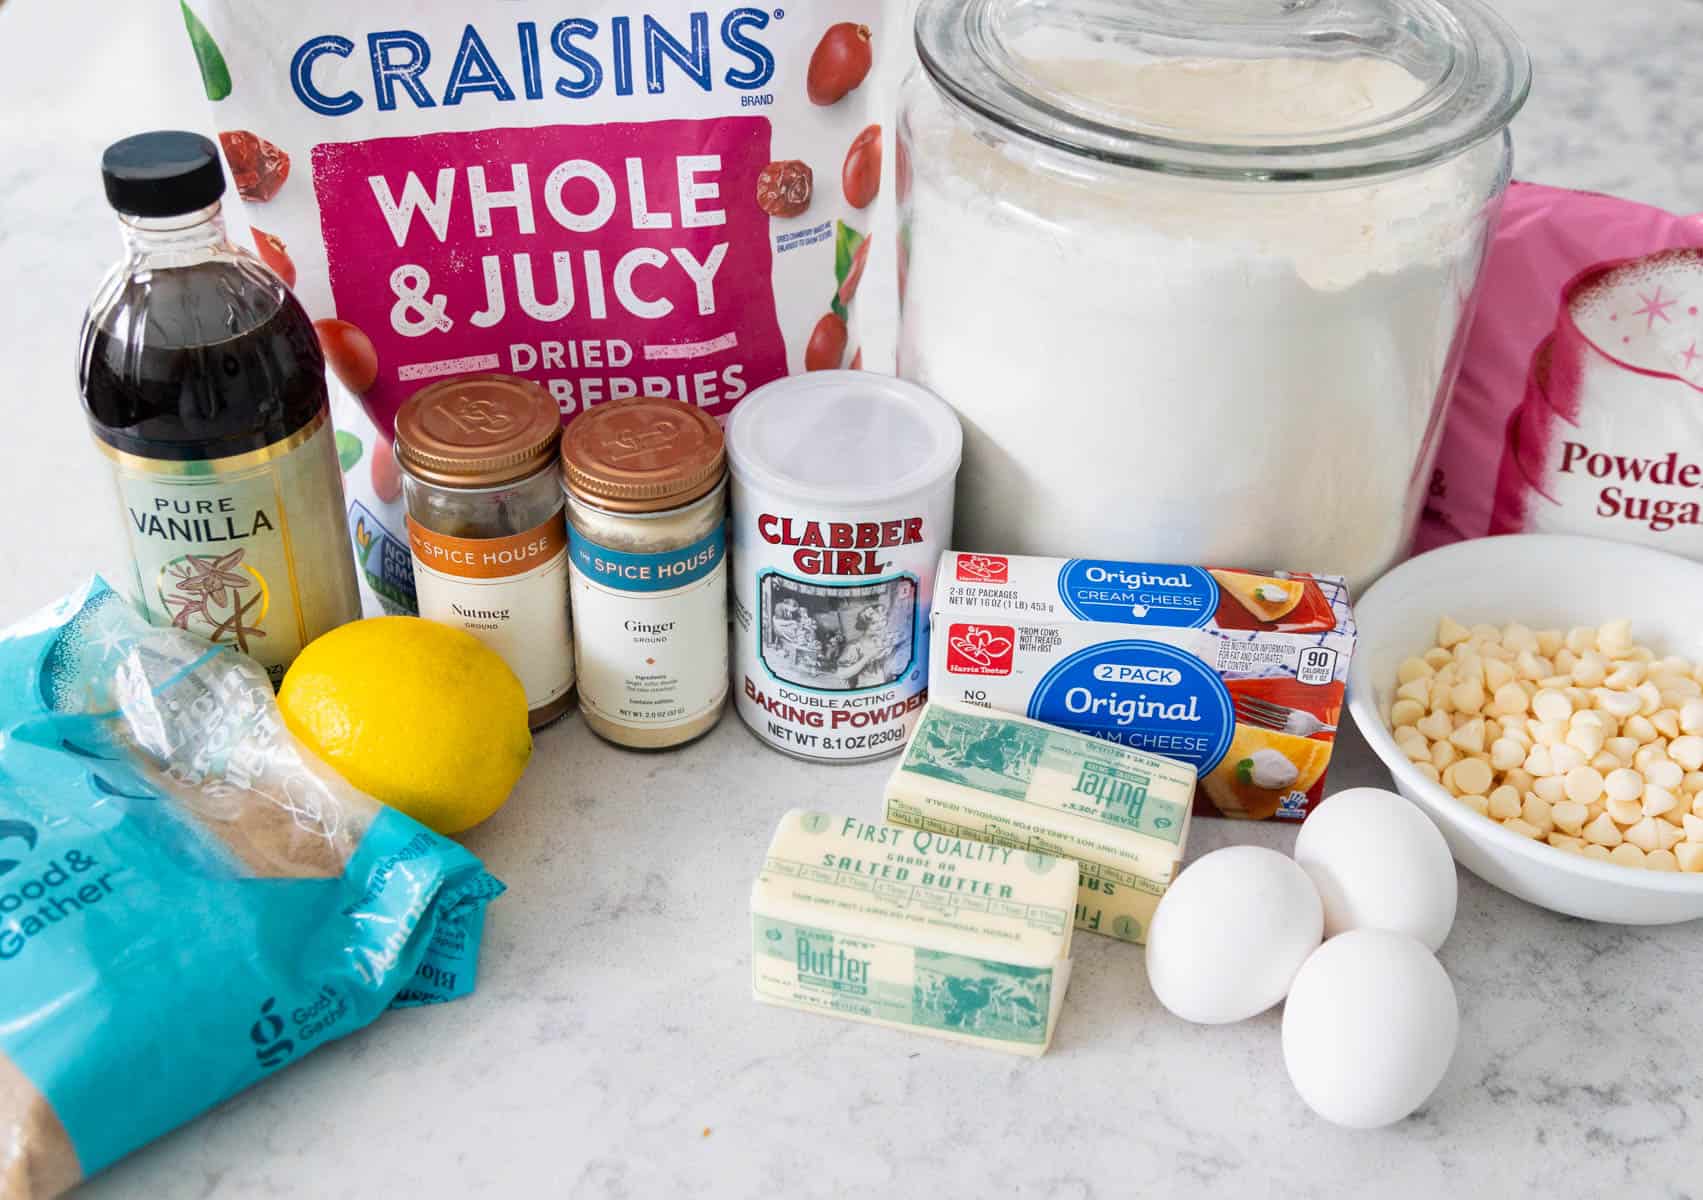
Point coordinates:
[(842, 504)]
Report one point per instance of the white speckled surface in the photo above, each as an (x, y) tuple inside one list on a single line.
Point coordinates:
[(613, 1050)]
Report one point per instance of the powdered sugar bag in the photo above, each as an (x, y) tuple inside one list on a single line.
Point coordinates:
[(613, 199), (1579, 406)]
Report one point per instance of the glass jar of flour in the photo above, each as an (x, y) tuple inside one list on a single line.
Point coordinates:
[(647, 510), (1195, 273)]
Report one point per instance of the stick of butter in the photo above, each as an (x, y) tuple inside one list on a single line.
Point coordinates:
[(1121, 812), (916, 930)]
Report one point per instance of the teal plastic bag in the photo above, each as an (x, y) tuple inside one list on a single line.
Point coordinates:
[(188, 899)]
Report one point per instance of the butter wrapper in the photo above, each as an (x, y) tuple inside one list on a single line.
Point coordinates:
[(1238, 673), (1122, 813), (913, 930)]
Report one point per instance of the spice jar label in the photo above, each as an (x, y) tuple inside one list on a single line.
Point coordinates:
[(659, 657), (508, 593), (242, 551)]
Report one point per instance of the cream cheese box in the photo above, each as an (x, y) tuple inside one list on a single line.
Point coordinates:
[(1239, 673), (914, 930), (1122, 813)]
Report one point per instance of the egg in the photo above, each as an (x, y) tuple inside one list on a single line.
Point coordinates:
[(1379, 863), (1230, 934), (1369, 1027)]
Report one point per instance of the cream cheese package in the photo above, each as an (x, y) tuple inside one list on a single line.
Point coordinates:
[(914, 930), (1237, 673), (1123, 814)]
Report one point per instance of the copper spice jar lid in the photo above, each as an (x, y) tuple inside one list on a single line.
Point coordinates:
[(477, 431), (642, 455)]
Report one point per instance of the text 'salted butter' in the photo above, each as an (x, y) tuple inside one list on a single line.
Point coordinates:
[(916, 930), (1239, 674)]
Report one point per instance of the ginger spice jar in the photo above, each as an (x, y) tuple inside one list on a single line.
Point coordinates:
[(485, 525), (645, 481)]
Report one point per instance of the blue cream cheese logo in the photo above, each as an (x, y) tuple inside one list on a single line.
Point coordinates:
[(1138, 593), (1142, 694)]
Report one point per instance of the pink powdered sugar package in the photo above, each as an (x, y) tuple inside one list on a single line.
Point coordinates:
[(1579, 405)]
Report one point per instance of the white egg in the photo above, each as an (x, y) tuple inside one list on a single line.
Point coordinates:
[(1379, 863), (1369, 1028), (1230, 934)]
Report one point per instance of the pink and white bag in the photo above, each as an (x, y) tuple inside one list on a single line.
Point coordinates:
[(1579, 406)]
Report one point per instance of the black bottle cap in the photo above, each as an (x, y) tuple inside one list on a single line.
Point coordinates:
[(162, 174)]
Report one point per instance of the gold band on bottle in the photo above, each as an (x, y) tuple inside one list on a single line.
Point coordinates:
[(234, 464)]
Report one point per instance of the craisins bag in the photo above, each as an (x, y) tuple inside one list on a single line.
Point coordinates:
[(1579, 406), (609, 198)]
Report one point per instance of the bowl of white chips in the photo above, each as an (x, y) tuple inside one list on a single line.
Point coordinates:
[(1540, 698)]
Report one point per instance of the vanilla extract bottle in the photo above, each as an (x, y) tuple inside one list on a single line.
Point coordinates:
[(204, 386)]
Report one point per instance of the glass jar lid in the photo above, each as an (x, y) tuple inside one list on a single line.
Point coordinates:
[(643, 455), (1233, 89), (477, 431)]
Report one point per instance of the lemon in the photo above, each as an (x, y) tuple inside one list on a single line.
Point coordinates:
[(416, 714)]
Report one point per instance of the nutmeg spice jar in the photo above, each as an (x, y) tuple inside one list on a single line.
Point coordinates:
[(485, 525), (646, 486)]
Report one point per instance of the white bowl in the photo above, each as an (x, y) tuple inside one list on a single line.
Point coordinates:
[(1542, 581)]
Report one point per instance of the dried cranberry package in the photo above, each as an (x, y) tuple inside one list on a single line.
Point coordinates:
[(1579, 405), (612, 200)]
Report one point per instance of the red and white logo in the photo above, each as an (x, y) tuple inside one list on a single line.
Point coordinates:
[(979, 649), (983, 568)]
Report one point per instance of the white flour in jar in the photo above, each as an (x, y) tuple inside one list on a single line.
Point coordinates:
[(1179, 370)]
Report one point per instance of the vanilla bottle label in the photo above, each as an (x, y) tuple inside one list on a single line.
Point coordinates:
[(246, 551)]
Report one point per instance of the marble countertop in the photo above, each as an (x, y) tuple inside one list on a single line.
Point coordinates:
[(613, 1049)]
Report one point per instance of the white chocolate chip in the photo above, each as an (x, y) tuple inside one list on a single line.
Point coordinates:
[(1568, 816), (1664, 773), (1657, 800), (1603, 831), (1627, 855), (1503, 803), (1451, 632), (1660, 859), (1473, 775), (1687, 751), (1506, 753), (1551, 705), (1583, 784), (1516, 825), (1470, 738), (1624, 812), (1623, 784), (1643, 834)]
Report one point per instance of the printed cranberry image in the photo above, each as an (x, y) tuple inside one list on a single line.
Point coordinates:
[(857, 360), (270, 247), (854, 273), (839, 62), (861, 176), (826, 349), (349, 353), (784, 188), (257, 166), (386, 474)]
